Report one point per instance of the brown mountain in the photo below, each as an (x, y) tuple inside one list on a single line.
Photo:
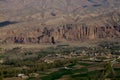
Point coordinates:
[(49, 21)]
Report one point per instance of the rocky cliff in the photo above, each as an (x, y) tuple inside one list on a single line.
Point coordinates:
[(66, 32), (38, 21)]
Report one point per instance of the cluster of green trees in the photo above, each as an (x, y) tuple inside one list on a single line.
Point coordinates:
[(31, 62), (12, 69)]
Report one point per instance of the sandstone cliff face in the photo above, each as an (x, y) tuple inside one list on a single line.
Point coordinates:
[(67, 32)]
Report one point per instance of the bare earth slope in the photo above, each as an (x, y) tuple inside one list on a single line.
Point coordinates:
[(49, 21)]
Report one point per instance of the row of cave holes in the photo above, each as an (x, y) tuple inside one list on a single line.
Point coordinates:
[(45, 32), (22, 40)]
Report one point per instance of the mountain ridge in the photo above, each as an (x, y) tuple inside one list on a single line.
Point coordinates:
[(26, 20)]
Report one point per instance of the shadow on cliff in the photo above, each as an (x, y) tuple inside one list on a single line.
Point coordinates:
[(5, 23)]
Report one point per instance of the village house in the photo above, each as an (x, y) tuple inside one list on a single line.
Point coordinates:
[(23, 76), (1, 61), (48, 61)]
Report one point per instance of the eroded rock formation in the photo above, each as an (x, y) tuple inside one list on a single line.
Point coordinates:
[(67, 32)]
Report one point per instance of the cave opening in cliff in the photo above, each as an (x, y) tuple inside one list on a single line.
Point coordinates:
[(52, 40)]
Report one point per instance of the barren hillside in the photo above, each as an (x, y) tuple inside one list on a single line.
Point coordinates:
[(48, 21)]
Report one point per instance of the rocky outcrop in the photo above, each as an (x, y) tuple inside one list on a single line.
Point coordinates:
[(67, 32)]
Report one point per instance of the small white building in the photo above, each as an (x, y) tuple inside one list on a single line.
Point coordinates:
[(48, 61), (1, 61), (67, 68), (23, 76)]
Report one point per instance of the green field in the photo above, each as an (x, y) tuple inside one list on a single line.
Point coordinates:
[(77, 74)]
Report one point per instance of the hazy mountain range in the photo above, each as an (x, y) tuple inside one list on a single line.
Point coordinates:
[(55, 8), (20, 20)]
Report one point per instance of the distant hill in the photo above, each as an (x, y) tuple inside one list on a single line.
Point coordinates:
[(57, 7), (24, 21)]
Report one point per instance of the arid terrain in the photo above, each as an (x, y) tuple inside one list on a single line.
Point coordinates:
[(59, 39), (53, 21)]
